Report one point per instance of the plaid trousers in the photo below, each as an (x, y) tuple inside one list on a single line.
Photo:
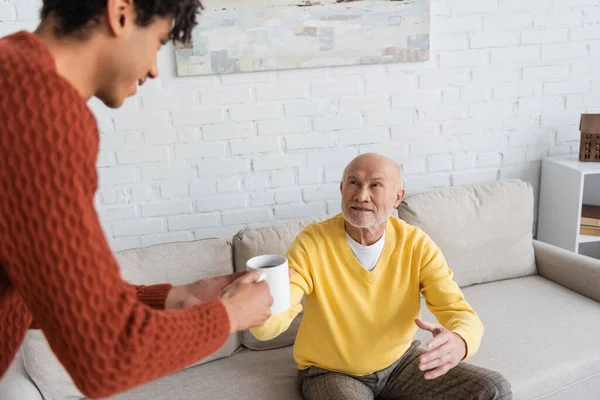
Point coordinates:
[(403, 380)]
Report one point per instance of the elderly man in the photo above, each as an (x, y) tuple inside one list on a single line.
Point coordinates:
[(362, 273)]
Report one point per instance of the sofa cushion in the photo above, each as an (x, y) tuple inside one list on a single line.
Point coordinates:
[(484, 231), (273, 239), (248, 375), (541, 336)]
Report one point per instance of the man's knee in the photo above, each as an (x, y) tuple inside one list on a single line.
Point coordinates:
[(495, 385)]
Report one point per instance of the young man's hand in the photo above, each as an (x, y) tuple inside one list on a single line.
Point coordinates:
[(192, 294)]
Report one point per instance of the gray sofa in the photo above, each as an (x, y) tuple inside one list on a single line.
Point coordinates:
[(540, 305)]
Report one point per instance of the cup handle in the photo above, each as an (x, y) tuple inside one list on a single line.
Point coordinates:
[(263, 276)]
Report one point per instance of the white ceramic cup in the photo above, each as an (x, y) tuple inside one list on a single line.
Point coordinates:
[(274, 270)]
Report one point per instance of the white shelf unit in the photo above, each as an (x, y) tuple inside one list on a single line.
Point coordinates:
[(566, 185)]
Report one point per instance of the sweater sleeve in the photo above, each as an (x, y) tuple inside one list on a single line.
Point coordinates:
[(444, 298), (56, 256), (300, 284)]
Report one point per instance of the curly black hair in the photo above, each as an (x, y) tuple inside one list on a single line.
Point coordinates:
[(75, 15)]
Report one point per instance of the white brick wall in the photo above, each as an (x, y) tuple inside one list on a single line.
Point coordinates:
[(204, 156)]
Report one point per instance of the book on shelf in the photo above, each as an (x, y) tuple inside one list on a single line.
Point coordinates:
[(590, 218), (589, 230)]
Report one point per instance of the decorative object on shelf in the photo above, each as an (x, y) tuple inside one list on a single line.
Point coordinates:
[(259, 35), (590, 220), (589, 148)]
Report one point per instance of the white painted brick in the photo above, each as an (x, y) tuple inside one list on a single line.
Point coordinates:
[(561, 118), (281, 92), (121, 140), (124, 243), (470, 58), (454, 23), (262, 199), (105, 159), (175, 170), (176, 237), (334, 207), (348, 70), (440, 114), (363, 103), (228, 185), (309, 176), (422, 98), (203, 188), (116, 175), (451, 96), (140, 121), (227, 131), (278, 162), (563, 51), (286, 196), (434, 147), (591, 99), (464, 161), (389, 117), (222, 166), (188, 134), (294, 75), (567, 87), (523, 55), (545, 73), (487, 160), (226, 232), (221, 203), (114, 194), (321, 192), (446, 77), (338, 87), (366, 136), (513, 156), (420, 183), (413, 165), (198, 117), (174, 190), (330, 157), (334, 174), (247, 217), (254, 145), (256, 181), (248, 77), (143, 193), (414, 132), (254, 112), (143, 155), (510, 21), (283, 178), (514, 90), (7, 13), (172, 207), (473, 177), (575, 101), (453, 42), (390, 83), (460, 127), (474, 6), (478, 143), (396, 151), (589, 32), (486, 40), (476, 93), (591, 15), (28, 9), (304, 108), (568, 133), (312, 141), (560, 150), (283, 126), (539, 36), (156, 99), (537, 153), (300, 211), (336, 122), (226, 96), (439, 163), (155, 137), (105, 124), (558, 18), (138, 227), (533, 105), (203, 82), (194, 151), (516, 5), (117, 213), (522, 139), (495, 73)]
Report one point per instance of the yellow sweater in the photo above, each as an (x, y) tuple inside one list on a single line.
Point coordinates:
[(358, 321)]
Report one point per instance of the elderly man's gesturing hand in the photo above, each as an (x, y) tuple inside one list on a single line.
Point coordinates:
[(445, 350)]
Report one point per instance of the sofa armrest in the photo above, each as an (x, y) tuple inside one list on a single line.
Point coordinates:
[(16, 383), (573, 271)]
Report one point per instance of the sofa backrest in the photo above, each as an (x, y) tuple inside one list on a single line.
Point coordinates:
[(484, 230)]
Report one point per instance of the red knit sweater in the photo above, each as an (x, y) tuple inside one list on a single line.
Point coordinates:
[(56, 267)]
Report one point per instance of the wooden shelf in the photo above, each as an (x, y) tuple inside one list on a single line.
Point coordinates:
[(588, 239)]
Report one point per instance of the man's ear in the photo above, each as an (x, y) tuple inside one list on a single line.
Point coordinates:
[(120, 16), (399, 197)]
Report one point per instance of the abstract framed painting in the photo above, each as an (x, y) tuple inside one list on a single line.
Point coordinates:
[(260, 35)]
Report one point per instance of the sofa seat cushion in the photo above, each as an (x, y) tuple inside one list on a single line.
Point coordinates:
[(248, 375), (484, 230), (542, 337)]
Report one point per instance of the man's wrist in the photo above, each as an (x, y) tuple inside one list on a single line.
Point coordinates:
[(175, 298)]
